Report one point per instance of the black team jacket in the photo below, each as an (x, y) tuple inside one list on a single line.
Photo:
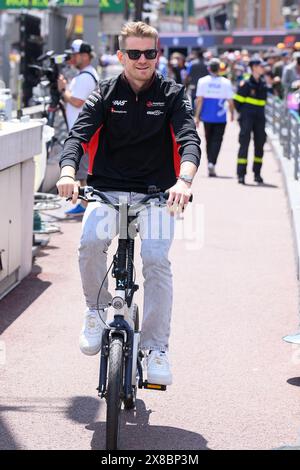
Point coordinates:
[(134, 141)]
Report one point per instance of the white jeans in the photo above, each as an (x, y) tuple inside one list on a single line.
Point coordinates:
[(156, 228)]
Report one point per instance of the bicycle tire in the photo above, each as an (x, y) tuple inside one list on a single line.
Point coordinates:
[(129, 404), (114, 393), (136, 318)]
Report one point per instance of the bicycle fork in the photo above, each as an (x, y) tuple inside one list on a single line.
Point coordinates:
[(121, 328)]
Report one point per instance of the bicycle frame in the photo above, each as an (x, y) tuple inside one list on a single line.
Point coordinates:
[(122, 301), (123, 324), (121, 371)]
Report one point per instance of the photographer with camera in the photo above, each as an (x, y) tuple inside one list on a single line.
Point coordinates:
[(74, 96)]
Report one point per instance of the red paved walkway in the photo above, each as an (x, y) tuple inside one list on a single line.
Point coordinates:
[(236, 384)]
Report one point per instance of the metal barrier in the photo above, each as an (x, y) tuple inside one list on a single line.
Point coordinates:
[(294, 139), (286, 125)]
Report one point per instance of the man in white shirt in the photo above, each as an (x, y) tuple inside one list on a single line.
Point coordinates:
[(212, 93), (74, 96)]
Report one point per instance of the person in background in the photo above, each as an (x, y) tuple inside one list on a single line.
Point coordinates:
[(162, 64), (269, 77), (176, 69), (291, 73), (282, 62), (195, 70), (270, 58), (238, 74), (213, 91), (250, 101), (74, 96), (274, 85)]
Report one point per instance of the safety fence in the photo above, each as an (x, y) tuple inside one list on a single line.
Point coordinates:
[(286, 125)]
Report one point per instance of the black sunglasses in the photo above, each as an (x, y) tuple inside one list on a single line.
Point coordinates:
[(135, 54)]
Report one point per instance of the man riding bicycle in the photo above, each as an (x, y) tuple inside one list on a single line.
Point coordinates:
[(138, 130)]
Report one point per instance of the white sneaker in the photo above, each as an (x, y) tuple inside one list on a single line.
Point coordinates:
[(295, 339), (91, 333), (158, 368)]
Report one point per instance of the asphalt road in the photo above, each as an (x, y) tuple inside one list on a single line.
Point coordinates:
[(236, 383)]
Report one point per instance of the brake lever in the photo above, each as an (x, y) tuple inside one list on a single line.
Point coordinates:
[(82, 198)]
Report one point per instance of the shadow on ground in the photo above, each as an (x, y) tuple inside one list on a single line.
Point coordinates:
[(20, 298), (7, 440), (136, 433), (82, 410), (264, 185), (294, 381), (218, 177)]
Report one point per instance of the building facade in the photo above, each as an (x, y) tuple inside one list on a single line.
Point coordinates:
[(260, 14), (248, 15)]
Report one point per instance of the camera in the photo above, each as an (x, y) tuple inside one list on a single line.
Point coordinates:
[(48, 68)]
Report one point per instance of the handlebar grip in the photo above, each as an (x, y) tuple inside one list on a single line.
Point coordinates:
[(166, 196), (81, 192)]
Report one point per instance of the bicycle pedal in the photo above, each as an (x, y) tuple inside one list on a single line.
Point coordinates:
[(149, 386)]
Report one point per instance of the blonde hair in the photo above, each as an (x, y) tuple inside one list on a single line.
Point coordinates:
[(137, 29)]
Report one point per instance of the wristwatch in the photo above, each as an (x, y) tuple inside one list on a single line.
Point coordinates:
[(186, 178)]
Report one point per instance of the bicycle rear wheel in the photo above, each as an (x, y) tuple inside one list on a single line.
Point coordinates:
[(114, 392)]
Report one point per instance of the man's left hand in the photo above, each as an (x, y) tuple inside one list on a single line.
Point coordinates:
[(179, 196)]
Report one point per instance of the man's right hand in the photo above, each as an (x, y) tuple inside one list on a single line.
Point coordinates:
[(67, 187)]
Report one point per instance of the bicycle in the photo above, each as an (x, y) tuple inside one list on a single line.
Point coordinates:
[(121, 372)]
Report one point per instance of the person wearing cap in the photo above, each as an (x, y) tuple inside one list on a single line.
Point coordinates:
[(250, 100), (282, 62), (291, 73), (74, 96), (213, 91)]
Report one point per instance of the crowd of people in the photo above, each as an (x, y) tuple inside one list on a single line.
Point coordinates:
[(215, 86), (240, 80), (230, 76), (282, 67)]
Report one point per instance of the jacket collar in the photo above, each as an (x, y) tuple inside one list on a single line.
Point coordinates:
[(125, 81)]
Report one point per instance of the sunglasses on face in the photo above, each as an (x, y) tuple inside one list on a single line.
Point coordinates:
[(135, 54)]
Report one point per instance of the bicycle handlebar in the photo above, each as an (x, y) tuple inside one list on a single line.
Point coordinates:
[(85, 191)]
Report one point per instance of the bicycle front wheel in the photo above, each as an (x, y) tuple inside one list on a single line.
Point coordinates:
[(114, 392), (129, 403)]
